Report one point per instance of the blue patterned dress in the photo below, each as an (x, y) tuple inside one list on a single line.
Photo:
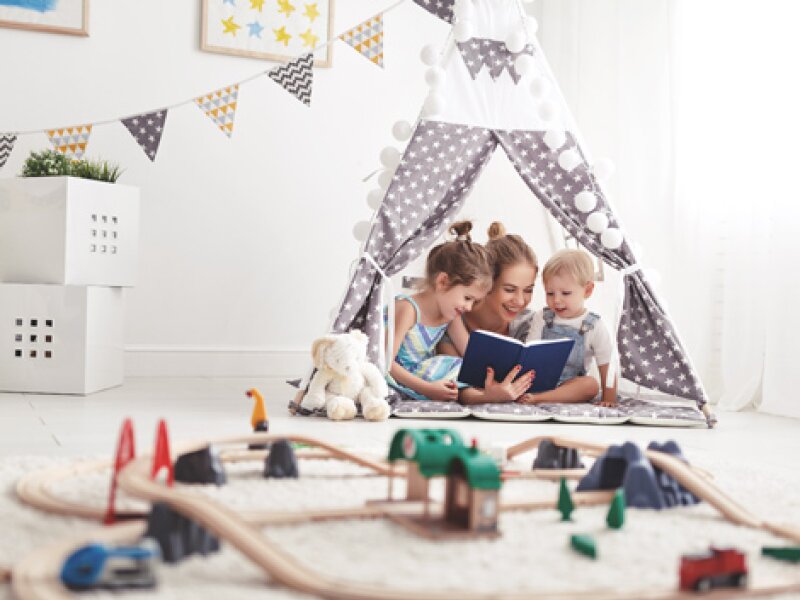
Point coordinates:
[(417, 355)]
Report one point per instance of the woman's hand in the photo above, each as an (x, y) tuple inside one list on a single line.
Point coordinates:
[(441, 391), (509, 389)]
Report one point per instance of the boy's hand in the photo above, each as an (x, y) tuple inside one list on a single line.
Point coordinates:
[(442, 391), (507, 390)]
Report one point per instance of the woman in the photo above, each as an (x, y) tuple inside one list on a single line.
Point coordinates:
[(502, 311)]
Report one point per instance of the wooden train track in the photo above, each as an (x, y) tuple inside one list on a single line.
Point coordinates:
[(35, 576)]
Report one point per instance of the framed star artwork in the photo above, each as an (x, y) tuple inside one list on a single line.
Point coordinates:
[(276, 30), (52, 16)]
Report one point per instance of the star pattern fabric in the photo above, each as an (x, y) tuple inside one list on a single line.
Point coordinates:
[(71, 141), (146, 130), (651, 354), (220, 107), (296, 77), (434, 177), (430, 185), (6, 146), (367, 39), (441, 8), (492, 54)]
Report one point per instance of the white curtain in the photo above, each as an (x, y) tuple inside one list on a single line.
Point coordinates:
[(696, 102)]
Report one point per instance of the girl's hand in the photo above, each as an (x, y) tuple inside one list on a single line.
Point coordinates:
[(527, 399), (442, 391), (507, 390)]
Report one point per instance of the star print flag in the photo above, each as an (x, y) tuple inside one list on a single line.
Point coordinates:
[(146, 130), (367, 39), (220, 107), (296, 77), (70, 141), (6, 146), (441, 8), (492, 54)]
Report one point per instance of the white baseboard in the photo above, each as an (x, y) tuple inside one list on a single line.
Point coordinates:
[(200, 361)]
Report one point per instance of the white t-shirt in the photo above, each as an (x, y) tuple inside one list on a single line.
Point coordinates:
[(597, 340)]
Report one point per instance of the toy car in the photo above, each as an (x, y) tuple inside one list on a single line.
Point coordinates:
[(719, 567), (98, 566)]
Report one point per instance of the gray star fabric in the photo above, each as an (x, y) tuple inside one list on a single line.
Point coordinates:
[(436, 173), (492, 54), (441, 8), (147, 130)]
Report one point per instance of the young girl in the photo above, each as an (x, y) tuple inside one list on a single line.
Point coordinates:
[(457, 274)]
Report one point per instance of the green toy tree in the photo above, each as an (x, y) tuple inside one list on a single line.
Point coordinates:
[(616, 510), (565, 505)]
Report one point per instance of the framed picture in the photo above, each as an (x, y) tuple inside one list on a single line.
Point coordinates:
[(268, 29), (54, 16)]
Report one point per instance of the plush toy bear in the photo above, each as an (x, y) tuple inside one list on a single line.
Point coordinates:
[(344, 376)]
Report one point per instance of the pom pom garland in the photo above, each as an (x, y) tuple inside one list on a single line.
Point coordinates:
[(385, 178), (390, 157), (548, 111), (401, 131), (539, 87), (516, 41), (569, 159), (375, 197), (462, 31), (361, 230), (531, 26), (597, 222), (429, 55), (611, 238), (555, 138), (434, 103), (525, 65), (435, 77), (585, 201)]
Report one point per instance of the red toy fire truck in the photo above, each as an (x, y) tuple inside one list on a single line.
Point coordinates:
[(719, 567)]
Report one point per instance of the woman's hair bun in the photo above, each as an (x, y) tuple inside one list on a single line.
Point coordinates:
[(496, 230), (461, 229)]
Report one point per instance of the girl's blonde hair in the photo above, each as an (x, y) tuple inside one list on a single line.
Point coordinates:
[(462, 260), (577, 263), (507, 250)]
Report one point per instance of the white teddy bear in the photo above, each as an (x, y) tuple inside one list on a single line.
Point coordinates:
[(344, 376)]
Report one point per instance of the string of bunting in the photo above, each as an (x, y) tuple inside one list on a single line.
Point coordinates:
[(296, 77)]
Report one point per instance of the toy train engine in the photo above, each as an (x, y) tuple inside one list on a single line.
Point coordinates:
[(98, 566)]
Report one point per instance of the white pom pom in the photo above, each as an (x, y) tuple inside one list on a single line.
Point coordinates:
[(462, 31), (540, 86), (597, 222), (401, 131), (516, 42), (525, 65), (375, 197), (652, 276), (585, 201), (611, 238), (463, 9), (390, 157), (569, 159), (603, 169), (429, 55), (434, 104), (555, 138), (385, 178), (361, 230), (435, 77), (531, 26), (548, 111)]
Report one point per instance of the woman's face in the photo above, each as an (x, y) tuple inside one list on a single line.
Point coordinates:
[(511, 292)]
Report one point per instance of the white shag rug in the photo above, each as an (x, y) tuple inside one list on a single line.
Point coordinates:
[(531, 555)]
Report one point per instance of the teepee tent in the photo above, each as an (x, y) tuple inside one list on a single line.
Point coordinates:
[(484, 96)]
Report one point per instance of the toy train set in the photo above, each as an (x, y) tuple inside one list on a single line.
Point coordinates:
[(181, 523)]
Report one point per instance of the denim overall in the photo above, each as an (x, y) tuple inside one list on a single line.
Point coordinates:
[(575, 366)]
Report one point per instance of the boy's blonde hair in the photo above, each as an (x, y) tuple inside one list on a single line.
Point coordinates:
[(577, 263)]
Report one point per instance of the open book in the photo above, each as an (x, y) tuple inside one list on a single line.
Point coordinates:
[(486, 349)]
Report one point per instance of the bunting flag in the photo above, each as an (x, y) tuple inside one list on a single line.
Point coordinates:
[(6, 146), (70, 141), (492, 54), (441, 8), (220, 106), (367, 39), (296, 77), (146, 130)]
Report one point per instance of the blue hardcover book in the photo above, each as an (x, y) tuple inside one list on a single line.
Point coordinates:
[(486, 349)]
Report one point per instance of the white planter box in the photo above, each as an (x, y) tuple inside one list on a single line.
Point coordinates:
[(69, 231), (60, 339)]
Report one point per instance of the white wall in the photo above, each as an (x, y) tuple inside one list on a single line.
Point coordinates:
[(246, 242)]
